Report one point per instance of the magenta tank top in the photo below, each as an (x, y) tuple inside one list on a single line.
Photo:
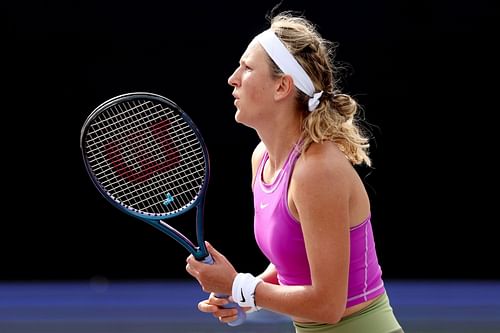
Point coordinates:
[(279, 236)]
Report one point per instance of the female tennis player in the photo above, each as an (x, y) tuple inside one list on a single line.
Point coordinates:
[(312, 212)]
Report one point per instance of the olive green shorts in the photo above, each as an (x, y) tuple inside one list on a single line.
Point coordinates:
[(378, 317)]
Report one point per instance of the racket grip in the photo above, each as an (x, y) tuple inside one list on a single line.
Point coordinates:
[(241, 313)]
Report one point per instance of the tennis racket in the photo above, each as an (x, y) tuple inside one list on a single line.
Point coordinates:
[(147, 157)]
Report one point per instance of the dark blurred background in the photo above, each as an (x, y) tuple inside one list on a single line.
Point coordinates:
[(426, 73)]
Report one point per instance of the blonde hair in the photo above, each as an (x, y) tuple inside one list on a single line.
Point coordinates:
[(335, 119)]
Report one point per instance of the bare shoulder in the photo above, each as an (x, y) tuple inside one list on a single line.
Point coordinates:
[(258, 152), (323, 161), (257, 155), (324, 177)]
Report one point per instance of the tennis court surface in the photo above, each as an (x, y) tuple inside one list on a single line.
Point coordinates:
[(100, 306)]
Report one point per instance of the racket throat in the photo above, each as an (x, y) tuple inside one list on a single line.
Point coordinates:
[(183, 240)]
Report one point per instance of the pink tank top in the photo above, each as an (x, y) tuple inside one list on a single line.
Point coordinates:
[(279, 236)]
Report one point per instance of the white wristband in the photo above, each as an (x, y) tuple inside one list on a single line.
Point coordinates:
[(243, 291)]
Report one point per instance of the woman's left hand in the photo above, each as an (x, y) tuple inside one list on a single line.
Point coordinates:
[(216, 306), (213, 278)]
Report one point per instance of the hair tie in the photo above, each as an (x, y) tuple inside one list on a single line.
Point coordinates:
[(314, 101)]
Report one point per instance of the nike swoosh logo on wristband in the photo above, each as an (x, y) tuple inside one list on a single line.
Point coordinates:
[(242, 296)]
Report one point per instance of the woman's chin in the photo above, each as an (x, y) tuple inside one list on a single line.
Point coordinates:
[(237, 116), (246, 121)]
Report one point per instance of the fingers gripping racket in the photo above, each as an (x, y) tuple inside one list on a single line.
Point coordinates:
[(147, 157)]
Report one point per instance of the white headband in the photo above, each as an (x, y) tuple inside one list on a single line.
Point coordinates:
[(289, 65)]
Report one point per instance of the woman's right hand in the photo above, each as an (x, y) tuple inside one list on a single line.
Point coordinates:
[(214, 305)]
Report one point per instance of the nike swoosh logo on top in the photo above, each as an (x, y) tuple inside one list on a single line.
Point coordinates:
[(263, 205)]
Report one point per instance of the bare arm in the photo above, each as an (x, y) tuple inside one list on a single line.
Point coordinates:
[(320, 192)]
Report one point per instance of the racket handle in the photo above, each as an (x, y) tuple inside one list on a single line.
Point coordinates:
[(241, 313)]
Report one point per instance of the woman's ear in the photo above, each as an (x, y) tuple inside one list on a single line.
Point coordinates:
[(284, 87)]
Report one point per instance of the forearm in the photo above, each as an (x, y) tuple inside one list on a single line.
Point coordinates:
[(305, 302), (301, 302)]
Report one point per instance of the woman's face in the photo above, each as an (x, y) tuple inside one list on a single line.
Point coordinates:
[(253, 85)]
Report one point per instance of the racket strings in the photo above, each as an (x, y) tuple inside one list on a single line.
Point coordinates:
[(142, 155), (122, 138), (158, 184), (164, 163), (186, 190), (118, 131), (153, 188), (114, 136)]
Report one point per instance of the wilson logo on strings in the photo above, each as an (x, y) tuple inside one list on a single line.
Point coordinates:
[(137, 165)]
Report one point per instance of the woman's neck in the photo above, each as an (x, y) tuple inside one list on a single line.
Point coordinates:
[(279, 145)]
